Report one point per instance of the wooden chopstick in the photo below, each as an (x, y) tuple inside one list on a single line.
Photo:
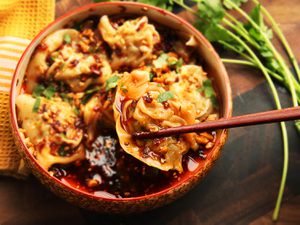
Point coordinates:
[(236, 121)]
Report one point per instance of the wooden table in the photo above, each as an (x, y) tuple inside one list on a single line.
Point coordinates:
[(240, 189)]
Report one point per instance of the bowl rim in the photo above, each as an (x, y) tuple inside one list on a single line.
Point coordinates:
[(41, 170)]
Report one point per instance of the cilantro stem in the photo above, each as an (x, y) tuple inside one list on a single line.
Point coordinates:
[(287, 73), (272, 73), (242, 32), (259, 64), (234, 49), (250, 63), (281, 37), (282, 124), (238, 61), (252, 59), (284, 172)]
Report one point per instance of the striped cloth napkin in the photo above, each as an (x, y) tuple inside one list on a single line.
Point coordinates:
[(20, 21)]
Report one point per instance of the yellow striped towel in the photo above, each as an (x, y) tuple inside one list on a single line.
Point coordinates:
[(20, 21)]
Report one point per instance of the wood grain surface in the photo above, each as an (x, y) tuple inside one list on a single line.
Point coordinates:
[(240, 189)]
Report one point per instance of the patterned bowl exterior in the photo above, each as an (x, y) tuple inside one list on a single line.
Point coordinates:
[(125, 205)]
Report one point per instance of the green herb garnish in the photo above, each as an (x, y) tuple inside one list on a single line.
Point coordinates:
[(49, 91), (161, 61), (209, 92), (36, 105), (179, 64), (151, 76), (53, 56), (111, 83), (52, 59), (207, 88), (165, 96), (67, 39), (38, 90)]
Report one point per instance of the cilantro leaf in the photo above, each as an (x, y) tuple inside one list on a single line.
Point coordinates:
[(161, 61), (212, 31), (111, 82), (49, 91), (151, 76), (179, 64), (165, 96), (209, 92), (207, 88), (67, 38), (38, 90), (256, 15), (210, 11), (36, 105), (214, 101)]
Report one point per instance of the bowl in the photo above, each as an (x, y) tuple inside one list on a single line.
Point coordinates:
[(213, 66)]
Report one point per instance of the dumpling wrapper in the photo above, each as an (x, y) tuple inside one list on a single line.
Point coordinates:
[(69, 64), (137, 108), (132, 42), (137, 84), (40, 129)]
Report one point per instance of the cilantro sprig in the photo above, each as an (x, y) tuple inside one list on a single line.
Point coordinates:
[(208, 91), (111, 82), (36, 105), (151, 76), (161, 61), (41, 90), (67, 38), (165, 96)]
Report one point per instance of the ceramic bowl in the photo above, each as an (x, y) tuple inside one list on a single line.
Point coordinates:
[(212, 65)]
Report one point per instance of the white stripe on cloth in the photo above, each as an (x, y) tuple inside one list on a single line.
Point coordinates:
[(15, 39), (11, 49)]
